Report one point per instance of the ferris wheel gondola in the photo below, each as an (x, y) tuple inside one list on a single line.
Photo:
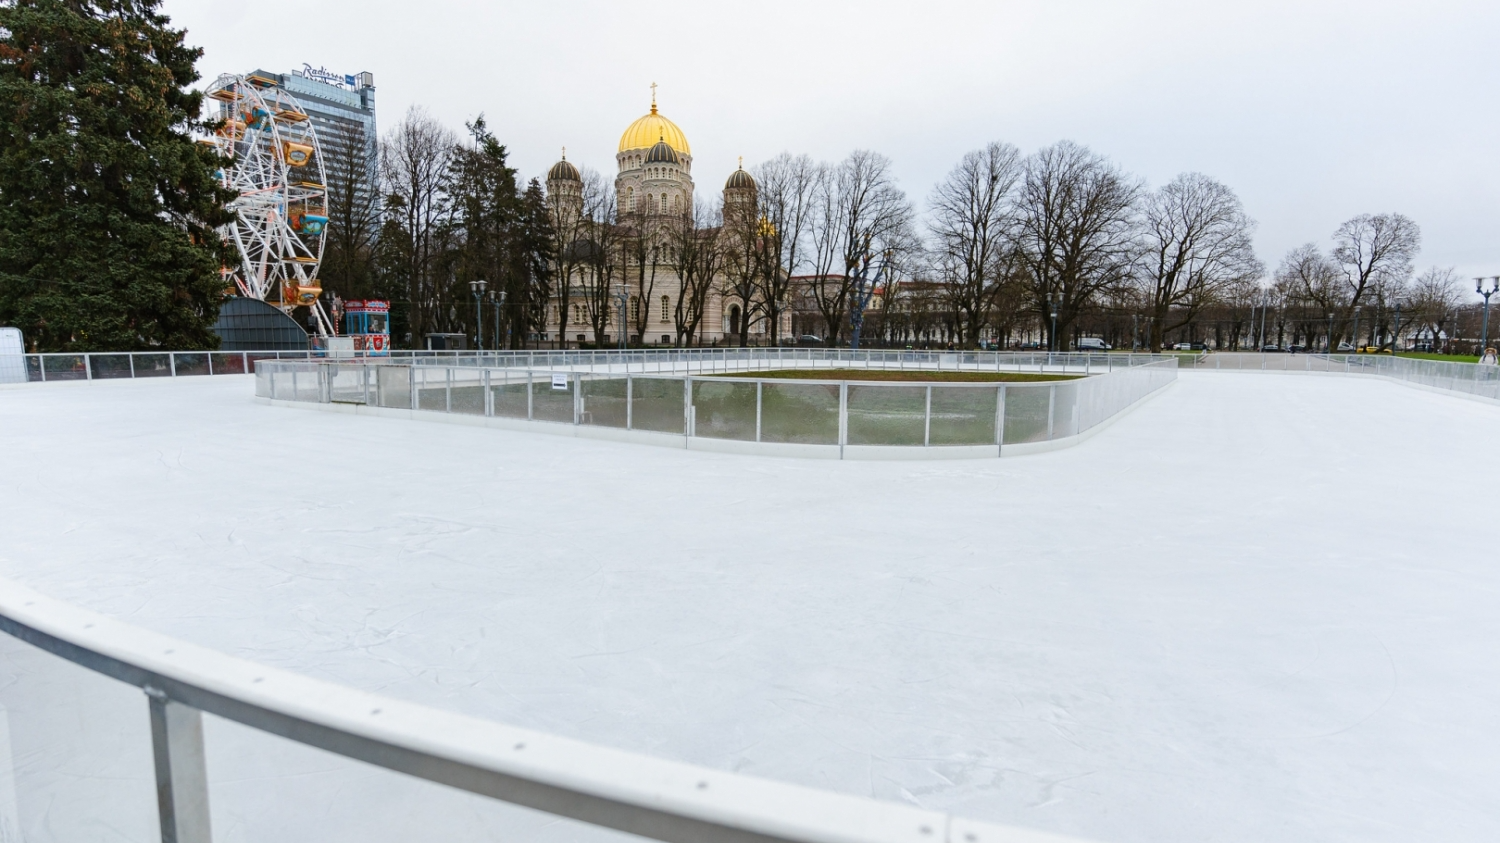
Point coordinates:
[(281, 209)]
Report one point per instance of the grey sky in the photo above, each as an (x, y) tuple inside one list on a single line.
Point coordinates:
[(1313, 111)]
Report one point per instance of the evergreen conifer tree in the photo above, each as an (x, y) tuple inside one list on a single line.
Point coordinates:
[(107, 205)]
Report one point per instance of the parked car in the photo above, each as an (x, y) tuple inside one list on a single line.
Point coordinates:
[(1183, 346), (1373, 349), (1297, 349), (1267, 349), (809, 339), (1093, 344), (1345, 348)]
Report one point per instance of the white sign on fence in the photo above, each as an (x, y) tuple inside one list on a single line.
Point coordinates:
[(560, 382)]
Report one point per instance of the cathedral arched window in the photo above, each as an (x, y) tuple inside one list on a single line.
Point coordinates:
[(666, 309), (635, 308)]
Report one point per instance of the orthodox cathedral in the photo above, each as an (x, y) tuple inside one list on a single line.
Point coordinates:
[(654, 181)]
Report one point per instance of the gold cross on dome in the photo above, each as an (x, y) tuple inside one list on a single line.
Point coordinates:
[(653, 96), (742, 162)]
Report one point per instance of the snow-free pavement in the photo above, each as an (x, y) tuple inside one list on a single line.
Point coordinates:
[(1258, 607)]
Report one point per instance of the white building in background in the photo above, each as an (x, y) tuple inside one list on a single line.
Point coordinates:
[(653, 193)]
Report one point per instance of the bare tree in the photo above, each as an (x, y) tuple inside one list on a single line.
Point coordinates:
[(1306, 274), (414, 162), (744, 260), (643, 237), (972, 253), (1074, 229), (569, 249), (351, 166), (787, 185), (692, 249), (600, 254), (1195, 243), (1375, 252), (1435, 299), (858, 210)]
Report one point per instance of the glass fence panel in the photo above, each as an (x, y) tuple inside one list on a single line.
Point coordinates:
[(603, 402), (887, 415), (107, 366), (263, 383), (75, 752), (346, 384), (656, 404), (723, 410), (193, 363), (468, 391), (1026, 413), (552, 397), (33, 367), (431, 391), (509, 394), (266, 788), (1065, 410), (309, 384), (393, 387), (152, 365), (807, 413), (64, 367), (227, 363), (963, 415)]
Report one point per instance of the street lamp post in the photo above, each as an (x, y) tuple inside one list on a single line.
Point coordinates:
[(623, 298), (1484, 335), (1328, 342), (1265, 304), (1355, 336), (478, 286), (497, 301), (1052, 344)]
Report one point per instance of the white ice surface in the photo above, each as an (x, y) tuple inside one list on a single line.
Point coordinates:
[(1259, 607)]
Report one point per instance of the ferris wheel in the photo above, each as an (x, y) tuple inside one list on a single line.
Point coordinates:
[(281, 212)]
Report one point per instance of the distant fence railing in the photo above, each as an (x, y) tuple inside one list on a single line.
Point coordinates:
[(595, 785), (840, 412), (153, 364), (1468, 378)]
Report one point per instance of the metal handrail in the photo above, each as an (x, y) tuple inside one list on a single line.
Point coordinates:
[(630, 792), (93, 365)]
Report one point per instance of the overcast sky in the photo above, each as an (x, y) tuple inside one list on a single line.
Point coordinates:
[(1313, 111)]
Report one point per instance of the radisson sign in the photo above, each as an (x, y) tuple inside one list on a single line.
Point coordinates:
[(326, 76)]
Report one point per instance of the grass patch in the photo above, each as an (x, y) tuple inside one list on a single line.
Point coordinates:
[(901, 375), (1445, 358)]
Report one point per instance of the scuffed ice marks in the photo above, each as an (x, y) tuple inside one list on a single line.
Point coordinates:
[(1200, 624)]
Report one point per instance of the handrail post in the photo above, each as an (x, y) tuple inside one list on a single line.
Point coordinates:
[(927, 418), (181, 774), (1000, 422)]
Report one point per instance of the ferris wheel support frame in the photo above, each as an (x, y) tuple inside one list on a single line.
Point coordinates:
[(276, 170)]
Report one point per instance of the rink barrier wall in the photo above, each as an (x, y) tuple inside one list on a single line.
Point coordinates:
[(811, 418), (630, 792), (91, 366)]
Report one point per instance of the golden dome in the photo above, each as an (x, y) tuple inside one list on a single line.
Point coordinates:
[(645, 132)]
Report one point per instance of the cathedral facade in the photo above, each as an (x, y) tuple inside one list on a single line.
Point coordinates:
[(647, 254)]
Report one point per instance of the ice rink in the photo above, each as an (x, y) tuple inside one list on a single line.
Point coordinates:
[(1258, 607)]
